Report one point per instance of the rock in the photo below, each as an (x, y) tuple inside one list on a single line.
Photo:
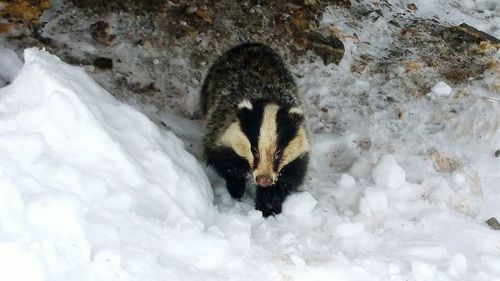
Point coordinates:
[(191, 9), (186, 30), (101, 33), (201, 14), (471, 34), (21, 16), (412, 7), (136, 6), (443, 163), (328, 47), (493, 223), (103, 63)]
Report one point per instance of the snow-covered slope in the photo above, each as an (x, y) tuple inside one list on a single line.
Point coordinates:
[(84, 177)]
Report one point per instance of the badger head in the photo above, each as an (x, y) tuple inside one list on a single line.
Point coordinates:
[(268, 136)]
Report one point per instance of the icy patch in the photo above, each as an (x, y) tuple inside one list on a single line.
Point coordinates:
[(387, 173)]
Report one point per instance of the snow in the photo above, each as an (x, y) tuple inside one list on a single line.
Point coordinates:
[(441, 89), (69, 153), (373, 201), (423, 271), (299, 204), (18, 264), (349, 229), (346, 180), (10, 66), (91, 189), (458, 265), (387, 173)]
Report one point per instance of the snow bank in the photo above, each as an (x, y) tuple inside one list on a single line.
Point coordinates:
[(83, 175), (63, 132)]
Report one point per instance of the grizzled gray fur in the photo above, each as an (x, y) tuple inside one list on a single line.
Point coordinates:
[(248, 71)]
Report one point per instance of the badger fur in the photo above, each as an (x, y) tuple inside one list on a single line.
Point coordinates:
[(255, 125)]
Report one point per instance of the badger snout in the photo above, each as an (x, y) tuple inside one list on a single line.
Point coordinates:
[(264, 180)]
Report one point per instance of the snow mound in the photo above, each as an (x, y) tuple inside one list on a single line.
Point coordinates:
[(387, 173), (82, 175), (61, 131)]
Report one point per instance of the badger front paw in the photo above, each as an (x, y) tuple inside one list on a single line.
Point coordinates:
[(269, 209), (269, 200)]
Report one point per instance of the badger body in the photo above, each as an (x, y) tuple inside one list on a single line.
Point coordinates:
[(255, 125)]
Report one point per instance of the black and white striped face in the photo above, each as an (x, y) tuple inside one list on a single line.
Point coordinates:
[(268, 137)]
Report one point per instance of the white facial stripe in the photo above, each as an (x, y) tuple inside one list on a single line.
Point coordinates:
[(296, 147), (233, 137), (245, 104), (267, 142)]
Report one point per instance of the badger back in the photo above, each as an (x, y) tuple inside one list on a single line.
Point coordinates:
[(249, 71)]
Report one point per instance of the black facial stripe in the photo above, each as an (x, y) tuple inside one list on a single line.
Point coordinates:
[(287, 130), (250, 123)]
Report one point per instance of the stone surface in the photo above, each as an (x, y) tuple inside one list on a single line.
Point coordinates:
[(493, 223)]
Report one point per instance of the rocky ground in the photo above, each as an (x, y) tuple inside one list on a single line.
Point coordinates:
[(156, 52)]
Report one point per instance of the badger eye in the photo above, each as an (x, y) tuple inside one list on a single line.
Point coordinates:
[(255, 152), (277, 153)]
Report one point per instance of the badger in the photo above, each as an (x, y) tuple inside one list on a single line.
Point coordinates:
[(254, 118)]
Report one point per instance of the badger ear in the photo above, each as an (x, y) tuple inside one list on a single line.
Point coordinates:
[(245, 107), (296, 114), (245, 104)]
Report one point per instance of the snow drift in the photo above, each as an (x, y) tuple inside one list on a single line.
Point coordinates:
[(73, 162)]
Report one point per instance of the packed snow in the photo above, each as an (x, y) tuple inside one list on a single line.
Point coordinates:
[(441, 89), (91, 189)]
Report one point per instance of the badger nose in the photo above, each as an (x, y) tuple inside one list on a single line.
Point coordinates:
[(264, 180)]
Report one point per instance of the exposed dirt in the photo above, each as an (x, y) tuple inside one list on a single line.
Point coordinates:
[(157, 52)]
